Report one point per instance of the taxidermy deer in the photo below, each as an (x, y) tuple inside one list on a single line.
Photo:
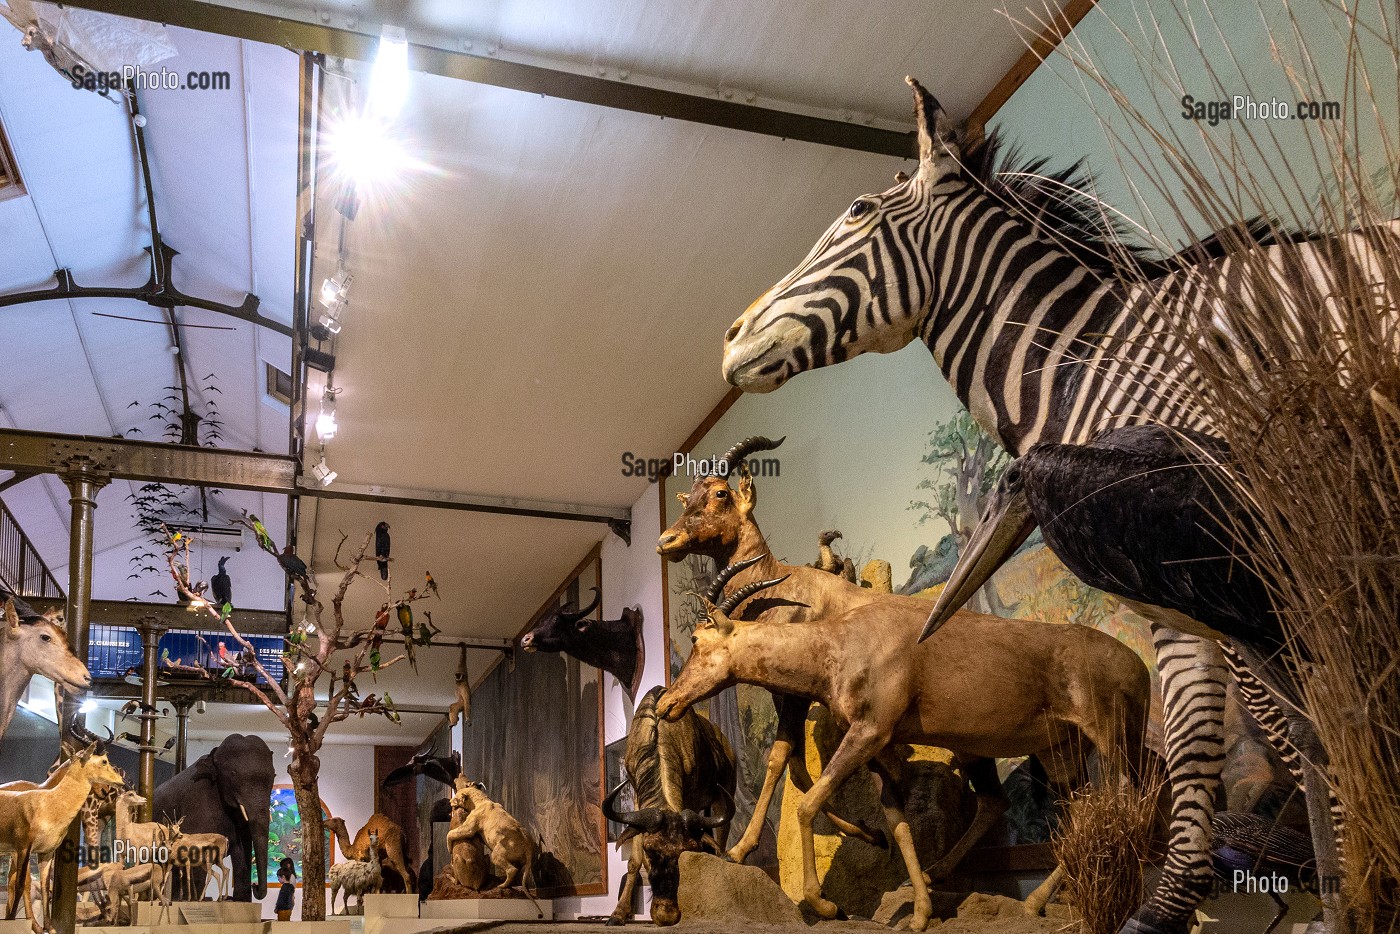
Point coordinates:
[(981, 687), (34, 821), (357, 877), (35, 647), (510, 848)]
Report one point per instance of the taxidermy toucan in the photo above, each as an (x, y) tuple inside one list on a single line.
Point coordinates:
[(221, 585), (381, 549)]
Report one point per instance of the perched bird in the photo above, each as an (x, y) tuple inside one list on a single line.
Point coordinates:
[(390, 711), (430, 585), (169, 743), (294, 566), (376, 637), (222, 586), (826, 558), (381, 549), (264, 540), (226, 658), (427, 630), (405, 614), (1260, 846)]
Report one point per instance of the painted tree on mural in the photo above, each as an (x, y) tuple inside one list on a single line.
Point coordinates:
[(966, 462), (309, 656)]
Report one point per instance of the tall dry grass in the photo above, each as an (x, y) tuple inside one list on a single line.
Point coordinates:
[(1298, 356)]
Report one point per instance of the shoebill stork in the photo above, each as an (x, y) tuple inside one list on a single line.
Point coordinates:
[(1142, 513)]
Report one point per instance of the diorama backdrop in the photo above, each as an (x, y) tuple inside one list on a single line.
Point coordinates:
[(536, 741)]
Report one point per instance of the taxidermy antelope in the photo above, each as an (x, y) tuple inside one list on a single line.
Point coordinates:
[(982, 687), (510, 848), (34, 821), (204, 851), (34, 647)]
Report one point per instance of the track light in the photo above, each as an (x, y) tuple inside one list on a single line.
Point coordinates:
[(325, 422), (388, 82), (335, 289), (322, 471), (330, 323)]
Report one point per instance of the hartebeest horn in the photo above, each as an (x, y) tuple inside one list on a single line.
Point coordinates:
[(743, 593), (645, 820), (733, 457), (83, 734), (727, 573), (580, 614)]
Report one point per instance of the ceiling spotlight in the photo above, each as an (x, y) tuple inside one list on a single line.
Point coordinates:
[(323, 473), (325, 421), (331, 323), (335, 288), (388, 83)]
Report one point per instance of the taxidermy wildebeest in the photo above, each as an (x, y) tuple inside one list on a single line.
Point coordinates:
[(983, 688), (678, 769), (614, 645)]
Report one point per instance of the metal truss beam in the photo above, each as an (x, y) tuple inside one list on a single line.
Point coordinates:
[(533, 79), (36, 452), (137, 614)]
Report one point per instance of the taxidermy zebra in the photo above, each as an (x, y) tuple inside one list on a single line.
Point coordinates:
[(1007, 278)]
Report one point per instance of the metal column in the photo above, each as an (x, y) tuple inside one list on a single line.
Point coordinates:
[(84, 480), (151, 632), (182, 703)]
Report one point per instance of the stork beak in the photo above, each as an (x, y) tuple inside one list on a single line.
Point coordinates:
[(1006, 523)]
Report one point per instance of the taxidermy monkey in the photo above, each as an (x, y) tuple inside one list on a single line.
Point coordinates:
[(381, 549), (462, 706)]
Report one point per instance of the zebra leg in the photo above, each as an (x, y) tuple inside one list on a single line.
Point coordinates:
[(1193, 720), (1265, 682)]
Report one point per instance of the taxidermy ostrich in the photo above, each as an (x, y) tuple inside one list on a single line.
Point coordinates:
[(357, 877), (1093, 503)]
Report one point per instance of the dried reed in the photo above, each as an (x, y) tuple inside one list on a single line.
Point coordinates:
[(1297, 351)]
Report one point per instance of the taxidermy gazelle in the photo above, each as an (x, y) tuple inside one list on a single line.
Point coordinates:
[(34, 819), (982, 687), (37, 647)]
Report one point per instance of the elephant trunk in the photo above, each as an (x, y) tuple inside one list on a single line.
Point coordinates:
[(259, 828)]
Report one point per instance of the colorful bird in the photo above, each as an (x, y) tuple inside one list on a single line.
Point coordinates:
[(405, 614), (430, 585), (222, 585), (294, 566), (427, 630), (226, 658), (264, 540), (390, 711), (381, 549)]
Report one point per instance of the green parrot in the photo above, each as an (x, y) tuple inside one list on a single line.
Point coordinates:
[(260, 530), (390, 711), (405, 613)]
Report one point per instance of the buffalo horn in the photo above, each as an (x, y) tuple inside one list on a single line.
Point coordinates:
[(743, 593), (735, 456), (645, 820), (580, 614), (727, 574)]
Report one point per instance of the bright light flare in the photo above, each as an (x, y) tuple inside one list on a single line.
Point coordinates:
[(362, 150), (388, 83)]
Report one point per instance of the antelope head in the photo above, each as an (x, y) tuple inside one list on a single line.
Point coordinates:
[(715, 515), (40, 647), (710, 667), (92, 759)]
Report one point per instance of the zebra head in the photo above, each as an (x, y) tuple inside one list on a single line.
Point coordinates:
[(863, 287)]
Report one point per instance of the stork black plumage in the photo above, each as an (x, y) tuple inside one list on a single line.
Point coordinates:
[(1252, 843)]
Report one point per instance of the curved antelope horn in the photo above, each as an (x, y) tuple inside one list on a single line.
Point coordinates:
[(715, 821), (727, 574), (735, 455), (743, 593), (83, 735), (580, 614), (645, 820)]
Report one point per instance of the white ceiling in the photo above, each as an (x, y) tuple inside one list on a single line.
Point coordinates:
[(548, 292)]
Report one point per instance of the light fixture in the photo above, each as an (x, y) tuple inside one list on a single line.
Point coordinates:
[(388, 80), (331, 323), (322, 471), (87, 706), (335, 289), (325, 422)]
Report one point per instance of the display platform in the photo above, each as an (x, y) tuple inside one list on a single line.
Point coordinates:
[(190, 914), (329, 926), (391, 906), (488, 909)]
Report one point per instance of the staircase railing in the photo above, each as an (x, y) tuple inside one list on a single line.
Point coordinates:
[(22, 571)]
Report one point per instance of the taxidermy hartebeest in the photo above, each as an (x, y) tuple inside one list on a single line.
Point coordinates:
[(982, 687)]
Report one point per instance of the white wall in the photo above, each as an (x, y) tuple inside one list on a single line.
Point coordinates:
[(347, 789)]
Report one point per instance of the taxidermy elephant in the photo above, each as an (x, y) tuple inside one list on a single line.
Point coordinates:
[(228, 791)]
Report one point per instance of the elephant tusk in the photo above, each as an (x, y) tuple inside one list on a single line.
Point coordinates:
[(245, 813)]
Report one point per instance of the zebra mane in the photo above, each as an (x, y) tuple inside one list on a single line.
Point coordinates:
[(1061, 205), (1058, 203)]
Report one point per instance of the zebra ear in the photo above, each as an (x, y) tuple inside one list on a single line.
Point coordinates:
[(937, 136)]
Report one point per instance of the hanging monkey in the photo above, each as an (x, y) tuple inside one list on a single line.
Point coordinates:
[(462, 706)]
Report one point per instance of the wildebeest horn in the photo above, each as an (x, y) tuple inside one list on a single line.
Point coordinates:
[(735, 455), (714, 821), (645, 820), (727, 574), (743, 593), (580, 614)]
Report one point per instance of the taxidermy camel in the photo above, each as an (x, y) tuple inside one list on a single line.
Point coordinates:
[(982, 687), (35, 647), (510, 848), (357, 877), (389, 846), (34, 820)]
